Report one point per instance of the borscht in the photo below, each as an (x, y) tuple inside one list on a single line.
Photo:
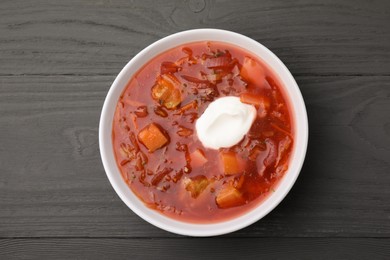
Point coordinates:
[(203, 132)]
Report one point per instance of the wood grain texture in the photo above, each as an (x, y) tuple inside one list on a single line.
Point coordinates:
[(52, 183), (57, 62), (98, 37), (210, 248)]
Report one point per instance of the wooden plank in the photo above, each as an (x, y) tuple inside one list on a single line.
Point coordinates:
[(52, 183), (208, 248), (49, 37)]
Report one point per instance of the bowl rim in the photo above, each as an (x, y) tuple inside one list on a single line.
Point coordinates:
[(291, 90)]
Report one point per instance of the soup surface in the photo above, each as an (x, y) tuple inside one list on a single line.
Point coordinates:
[(155, 140)]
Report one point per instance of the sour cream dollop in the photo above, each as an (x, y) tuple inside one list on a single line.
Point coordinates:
[(225, 122)]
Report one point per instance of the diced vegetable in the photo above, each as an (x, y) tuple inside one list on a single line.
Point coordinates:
[(153, 137), (256, 100), (253, 72), (198, 158), (230, 163), (196, 185), (229, 197), (166, 91)]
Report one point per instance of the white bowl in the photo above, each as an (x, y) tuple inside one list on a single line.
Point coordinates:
[(297, 156)]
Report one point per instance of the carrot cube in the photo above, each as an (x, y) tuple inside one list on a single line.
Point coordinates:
[(152, 137), (229, 197), (230, 163), (197, 158)]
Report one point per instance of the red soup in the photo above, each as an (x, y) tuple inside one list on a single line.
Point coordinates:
[(155, 140)]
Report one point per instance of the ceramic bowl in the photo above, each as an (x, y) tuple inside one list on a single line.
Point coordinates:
[(296, 160)]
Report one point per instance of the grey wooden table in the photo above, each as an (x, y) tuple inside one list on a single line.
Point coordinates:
[(57, 62)]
